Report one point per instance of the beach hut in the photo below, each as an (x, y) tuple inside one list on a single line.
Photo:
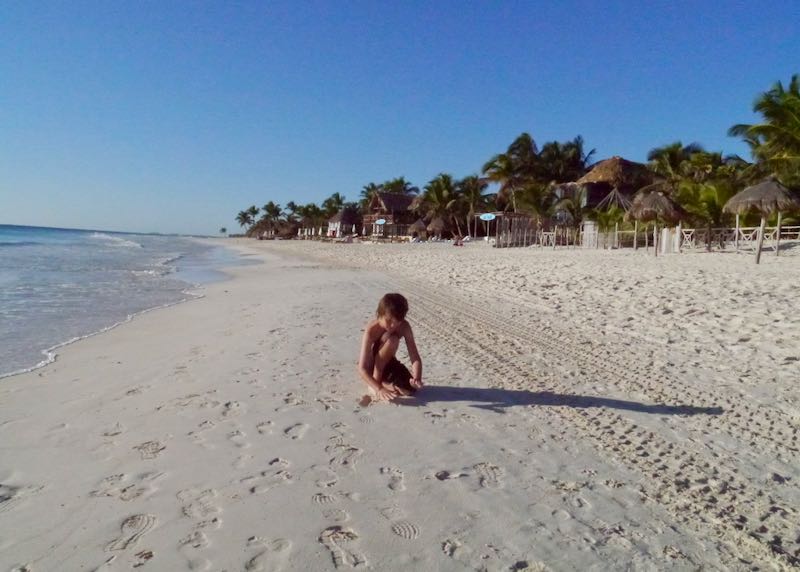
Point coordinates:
[(393, 208), (342, 222), (653, 203), (766, 197), (617, 177)]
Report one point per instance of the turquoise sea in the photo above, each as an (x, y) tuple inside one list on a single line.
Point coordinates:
[(59, 285)]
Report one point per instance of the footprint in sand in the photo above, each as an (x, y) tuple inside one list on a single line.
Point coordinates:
[(114, 430), (143, 557), (395, 478), (328, 402), (322, 498), (191, 546), (11, 495), (242, 461), (199, 504), (120, 487), (132, 528), (450, 546), (339, 427), (138, 390), (336, 515), (197, 540), (232, 409), (265, 427), (294, 400), (239, 438), (343, 453), (270, 479), (336, 539), (324, 477), (295, 431), (150, 449), (489, 475), (406, 530), (447, 475), (271, 555)]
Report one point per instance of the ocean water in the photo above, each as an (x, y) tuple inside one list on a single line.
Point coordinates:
[(59, 285)]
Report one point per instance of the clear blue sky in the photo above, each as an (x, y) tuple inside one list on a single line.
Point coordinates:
[(173, 116)]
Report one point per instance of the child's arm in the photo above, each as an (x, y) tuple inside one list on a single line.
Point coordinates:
[(366, 365), (413, 354)]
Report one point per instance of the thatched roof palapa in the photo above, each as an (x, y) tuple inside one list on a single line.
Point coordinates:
[(654, 203), (393, 202), (346, 217), (618, 173), (766, 197)]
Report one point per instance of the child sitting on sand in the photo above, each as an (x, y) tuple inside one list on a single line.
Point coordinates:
[(377, 364)]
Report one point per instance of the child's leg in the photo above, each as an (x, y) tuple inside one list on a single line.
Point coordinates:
[(388, 349)]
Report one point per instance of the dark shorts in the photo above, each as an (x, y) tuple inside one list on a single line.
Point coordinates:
[(395, 373)]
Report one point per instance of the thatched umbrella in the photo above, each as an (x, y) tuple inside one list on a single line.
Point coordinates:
[(766, 197), (418, 227), (437, 226), (653, 203)]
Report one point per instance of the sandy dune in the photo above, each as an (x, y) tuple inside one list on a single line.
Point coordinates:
[(584, 411)]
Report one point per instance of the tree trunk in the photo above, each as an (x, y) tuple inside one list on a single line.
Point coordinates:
[(778, 237), (458, 226)]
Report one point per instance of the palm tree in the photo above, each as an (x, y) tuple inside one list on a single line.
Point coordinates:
[(668, 161), (292, 207), (500, 169), (333, 204), (776, 141), (573, 207), (538, 199), (710, 181), (608, 219), (525, 156), (439, 200), (563, 162), (253, 212), (223, 230), (513, 169), (272, 212), (366, 194), (401, 186), (244, 218), (471, 190)]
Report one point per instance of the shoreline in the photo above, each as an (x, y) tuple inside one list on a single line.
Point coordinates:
[(174, 442), (51, 353)]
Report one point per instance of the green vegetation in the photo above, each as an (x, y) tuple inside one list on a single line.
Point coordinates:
[(540, 180)]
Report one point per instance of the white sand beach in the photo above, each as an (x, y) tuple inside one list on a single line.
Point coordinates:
[(584, 410)]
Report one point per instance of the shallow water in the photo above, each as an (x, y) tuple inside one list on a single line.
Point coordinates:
[(58, 285)]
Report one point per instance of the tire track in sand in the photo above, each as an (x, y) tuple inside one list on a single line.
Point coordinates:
[(697, 491)]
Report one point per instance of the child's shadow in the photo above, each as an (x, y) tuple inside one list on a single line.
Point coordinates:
[(499, 399)]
